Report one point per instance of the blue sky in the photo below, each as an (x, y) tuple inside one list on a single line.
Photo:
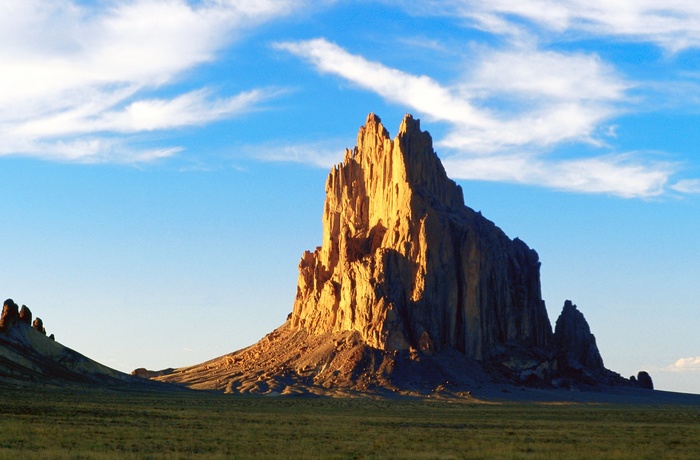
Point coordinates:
[(163, 162)]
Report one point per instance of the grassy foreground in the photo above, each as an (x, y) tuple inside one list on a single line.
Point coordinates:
[(101, 424)]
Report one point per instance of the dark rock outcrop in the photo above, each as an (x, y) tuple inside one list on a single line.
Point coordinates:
[(25, 315), (644, 380), (10, 314), (574, 343), (38, 324)]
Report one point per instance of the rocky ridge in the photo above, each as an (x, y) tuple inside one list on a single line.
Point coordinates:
[(410, 292), (27, 355)]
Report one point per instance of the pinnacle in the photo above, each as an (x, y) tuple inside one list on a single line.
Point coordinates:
[(409, 124), (373, 118)]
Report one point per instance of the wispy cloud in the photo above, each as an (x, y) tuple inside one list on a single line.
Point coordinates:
[(673, 25), (73, 69), (621, 175), (322, 154), (550, 111), (193, 108), (687, 186), (544, 99)]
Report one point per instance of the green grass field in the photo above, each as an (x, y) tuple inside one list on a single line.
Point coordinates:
[(103, 424)]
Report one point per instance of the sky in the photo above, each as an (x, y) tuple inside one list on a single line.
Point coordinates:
[(163, 162)]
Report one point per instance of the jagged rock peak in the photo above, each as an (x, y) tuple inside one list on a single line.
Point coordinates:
[(407, 265), (574, 340)]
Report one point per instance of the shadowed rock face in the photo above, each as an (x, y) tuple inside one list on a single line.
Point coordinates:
[(407, 265), (574, 341)]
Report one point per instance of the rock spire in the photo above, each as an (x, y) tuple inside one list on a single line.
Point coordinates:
[(574, 341), (410, 292), (407, 265)]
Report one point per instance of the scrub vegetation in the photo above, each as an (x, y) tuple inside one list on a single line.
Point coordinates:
[(89, 423)]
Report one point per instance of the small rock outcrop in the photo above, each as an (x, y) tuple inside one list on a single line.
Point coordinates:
[(144, 373), (10, 314), (643, 380), (406, 264), (38, 324), (574, 343), (25, 315)]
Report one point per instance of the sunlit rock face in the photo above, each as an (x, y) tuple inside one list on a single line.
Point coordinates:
[(407, 265)]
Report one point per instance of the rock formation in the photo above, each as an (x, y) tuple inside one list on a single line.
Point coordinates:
[(28, 357), (574, 343), (10, 313), (410, 292), (643, 380), (38, 324), (25, 315), (406, 264)]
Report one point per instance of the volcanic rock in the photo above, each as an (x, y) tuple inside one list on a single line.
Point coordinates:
[(10, 313), (574, 342), (25, 315), (38, 324), (644, 380), (402, 257), (410, 292)]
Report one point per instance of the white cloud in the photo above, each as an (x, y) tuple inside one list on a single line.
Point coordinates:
[(553, 113), (191, 108), (686, 364), (620, 175), (687, 186), (397, 86), (672, 24), (92, 149), (320, 154), (73, 69), (544, 99), (530, 74)]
